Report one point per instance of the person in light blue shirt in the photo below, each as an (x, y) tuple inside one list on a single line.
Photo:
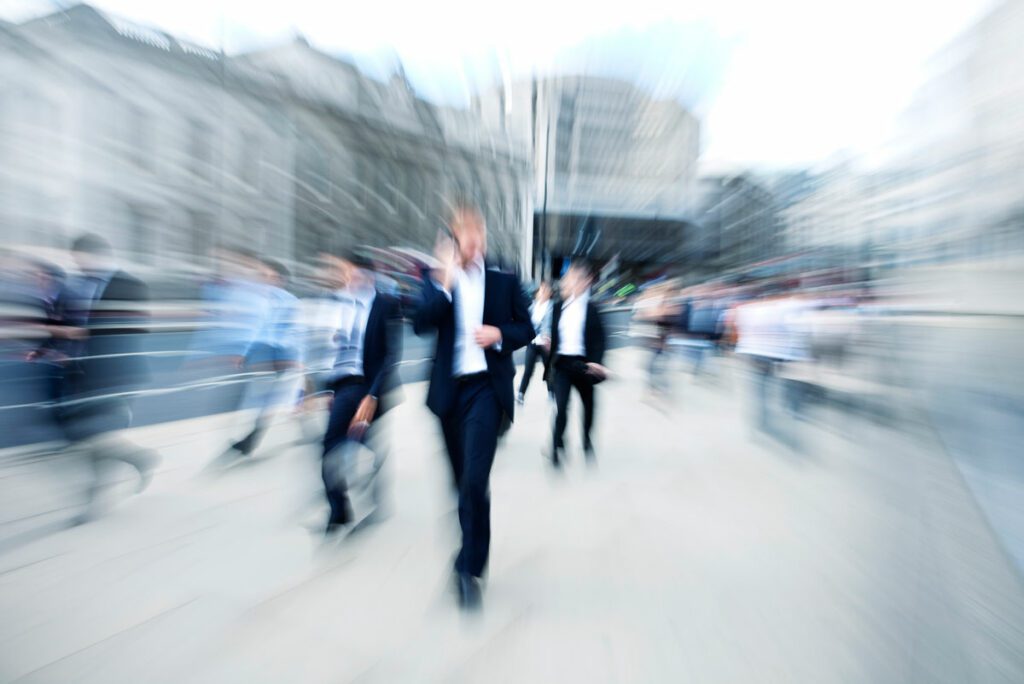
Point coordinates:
[(235, 309), (274, 356)]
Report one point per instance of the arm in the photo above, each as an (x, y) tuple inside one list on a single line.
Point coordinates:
[(434, 305), (600, 340), (519, 331), (392, 347)]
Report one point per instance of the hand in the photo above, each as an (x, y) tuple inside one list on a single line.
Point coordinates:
[(364, 414), (487, 336), (597, 370), (68, 332), (447, 256)]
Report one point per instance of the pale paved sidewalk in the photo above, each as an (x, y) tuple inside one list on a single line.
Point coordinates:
[(694, 552)]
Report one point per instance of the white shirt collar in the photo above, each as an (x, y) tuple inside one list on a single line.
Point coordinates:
[(478, 263), (584, 297)]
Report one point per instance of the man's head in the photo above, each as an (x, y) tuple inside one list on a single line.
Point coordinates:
[(92, 253), (274, 272), (544, 291), (351, 269), (469, 231), (239, 262), (577, 279)]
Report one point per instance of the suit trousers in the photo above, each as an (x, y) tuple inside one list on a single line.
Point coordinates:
[(346, 402), (471, 436), (533, 351), (571, 372)]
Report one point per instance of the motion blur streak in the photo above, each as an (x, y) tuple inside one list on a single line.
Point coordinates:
[(216, 460)]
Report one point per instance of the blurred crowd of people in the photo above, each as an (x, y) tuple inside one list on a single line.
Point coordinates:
[(328, 359), (788, 331), (260, 345)]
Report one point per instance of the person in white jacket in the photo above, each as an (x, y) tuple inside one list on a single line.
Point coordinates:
[(540, 316)]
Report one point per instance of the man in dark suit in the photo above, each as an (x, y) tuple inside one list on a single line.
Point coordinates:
[(481, 316), (106, 309), (577, 350), (368, 341)]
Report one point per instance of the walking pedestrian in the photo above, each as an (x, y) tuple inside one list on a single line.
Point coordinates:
[(368, 338), (107, 308), (480, 317), (540, 316), (578, 344)]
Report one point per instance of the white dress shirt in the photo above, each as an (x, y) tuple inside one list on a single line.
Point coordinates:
[(570, 326), (540, 316), (354, 313), (468, 301)]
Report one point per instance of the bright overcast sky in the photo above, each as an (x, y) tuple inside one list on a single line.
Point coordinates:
[(777, 83)]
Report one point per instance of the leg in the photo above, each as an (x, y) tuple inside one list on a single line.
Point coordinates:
[(562, 384), (761, 368), (481, 416), (346, 402), (257, 394), (586, 391), (698, 357), (546, 359), (451, 427), (145, 461), (98, 467), (528, 367)]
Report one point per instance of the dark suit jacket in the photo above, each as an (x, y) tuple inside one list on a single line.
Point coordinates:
[(594, 338), (110, 359), (505, 307), (382, 349)]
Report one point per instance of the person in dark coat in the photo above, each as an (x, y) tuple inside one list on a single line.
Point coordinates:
[(578, 343), (480, 317), (106, 307), (365, 376), (540, 315)]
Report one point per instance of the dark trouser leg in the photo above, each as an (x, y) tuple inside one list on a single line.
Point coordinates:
[(654, 375), (104, 441), (586, 390), (528, 367), (344, 407), (546, 358), (762, 369), (481, 417), (562, 385), (451, 427)]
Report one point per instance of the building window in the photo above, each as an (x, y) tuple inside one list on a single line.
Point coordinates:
[(140, 232), (200, 149), (342, 188), (314, 171), (139, 137), (385, 187), (249, 159), (201, 232), (359, 178)]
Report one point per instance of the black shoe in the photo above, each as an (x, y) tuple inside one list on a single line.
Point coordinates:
[(241, 446), (520, 398), (82, 519), (335, 527), (470, 597), (557, 458), (152, 461), (227, 458), (588, 453)]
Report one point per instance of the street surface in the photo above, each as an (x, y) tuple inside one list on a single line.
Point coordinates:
[(695, 551)]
